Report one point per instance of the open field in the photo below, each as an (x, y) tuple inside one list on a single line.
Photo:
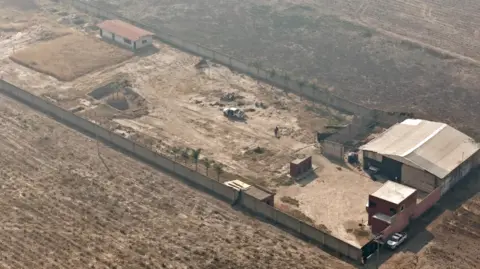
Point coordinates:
[(374, 52), (71, 56), (62, 208)]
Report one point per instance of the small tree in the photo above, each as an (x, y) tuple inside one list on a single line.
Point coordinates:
[(207, 163), (176, 151), (196, 156), (218, 169), (186, 154)]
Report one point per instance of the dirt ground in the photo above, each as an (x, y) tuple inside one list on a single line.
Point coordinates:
[(171, 95), (70, 56), (177, 105), (375, 52), (62, 208), (333, 197)]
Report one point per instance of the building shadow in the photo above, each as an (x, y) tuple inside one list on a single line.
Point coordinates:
[(146, 51), (308, 178)]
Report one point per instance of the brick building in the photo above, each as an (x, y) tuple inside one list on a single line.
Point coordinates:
[(391, 203)]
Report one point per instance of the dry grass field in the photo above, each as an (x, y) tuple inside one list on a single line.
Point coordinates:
[(138, 217), (394, 55), (62, 208), (70, 56)]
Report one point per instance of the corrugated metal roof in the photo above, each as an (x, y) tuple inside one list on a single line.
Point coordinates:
[(123, 29), (393, 192), (431, 146)]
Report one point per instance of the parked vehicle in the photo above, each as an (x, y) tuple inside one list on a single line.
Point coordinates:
[(352, 157), (373, 171), (396, 240), (234, 113)]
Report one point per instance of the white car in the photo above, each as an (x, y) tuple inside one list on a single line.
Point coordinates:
[(396, 240)]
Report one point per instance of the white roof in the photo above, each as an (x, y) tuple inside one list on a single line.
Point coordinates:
[(237, 184), (393, 192), (431, 146)]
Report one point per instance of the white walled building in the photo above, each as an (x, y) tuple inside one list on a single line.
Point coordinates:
[(423, 154), (125, 34)]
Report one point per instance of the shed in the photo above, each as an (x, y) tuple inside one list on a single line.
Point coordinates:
[(422, 154), (125, 34), (300, 166), (257, 192)]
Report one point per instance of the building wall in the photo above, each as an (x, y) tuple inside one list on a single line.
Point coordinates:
[(117, 38), (427, 202), (378, 226), (407, 207), (459, 173), (144, 41), (418, 179), (106, 34)]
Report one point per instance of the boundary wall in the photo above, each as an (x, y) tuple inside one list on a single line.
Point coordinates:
[(228, 194)]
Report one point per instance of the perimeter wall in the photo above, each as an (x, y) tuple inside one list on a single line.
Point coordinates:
[(226, 193)]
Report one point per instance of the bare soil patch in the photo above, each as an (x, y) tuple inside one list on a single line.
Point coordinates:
[(62, 208), (69, 57)]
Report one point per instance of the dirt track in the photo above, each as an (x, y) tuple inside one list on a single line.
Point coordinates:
[(60, 208)]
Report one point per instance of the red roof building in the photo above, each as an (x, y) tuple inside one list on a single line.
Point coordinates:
[(126, 34)]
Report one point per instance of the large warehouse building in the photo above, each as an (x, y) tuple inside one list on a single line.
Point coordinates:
[(422, 154)]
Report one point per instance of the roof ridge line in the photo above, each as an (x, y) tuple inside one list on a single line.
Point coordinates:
[(424, 140)]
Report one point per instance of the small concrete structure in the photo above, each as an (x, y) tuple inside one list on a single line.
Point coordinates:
[(299, 167), (125, 34), (254, 191)]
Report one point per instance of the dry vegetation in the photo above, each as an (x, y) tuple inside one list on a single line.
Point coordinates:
[(387, 54), (61, 208), (71, 56)]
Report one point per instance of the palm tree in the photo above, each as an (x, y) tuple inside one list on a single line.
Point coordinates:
[(176, 152), (186, 154), (219, 169), (196, 156), (207, 163)]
